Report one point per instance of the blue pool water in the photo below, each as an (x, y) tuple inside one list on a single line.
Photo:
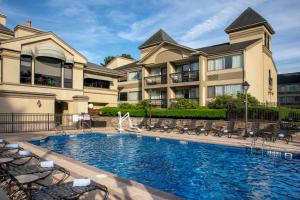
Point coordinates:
[(192, 170)]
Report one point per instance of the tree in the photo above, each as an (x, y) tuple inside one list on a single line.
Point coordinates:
[(239, 101), (106, 60), (124, 55)]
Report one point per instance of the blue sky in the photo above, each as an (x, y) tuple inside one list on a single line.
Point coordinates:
[(98, 28)]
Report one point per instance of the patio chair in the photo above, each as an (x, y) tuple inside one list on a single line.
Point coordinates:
[(157, 126), (39, 169), (187, 128), (229, 130), (253, 132), (169, 127), (67, 191), (205, 129)]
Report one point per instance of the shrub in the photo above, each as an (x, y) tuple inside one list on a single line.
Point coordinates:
[(126, 106), (184, 104), (239, 101), (203, 113)]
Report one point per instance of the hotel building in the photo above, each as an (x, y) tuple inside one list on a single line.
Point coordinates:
[(41, 73), (168, 71), (289, 90)]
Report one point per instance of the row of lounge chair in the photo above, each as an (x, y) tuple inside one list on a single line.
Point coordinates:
[(24, 175), (272, 132)]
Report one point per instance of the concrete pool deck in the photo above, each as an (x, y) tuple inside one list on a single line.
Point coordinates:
[(119, 187)]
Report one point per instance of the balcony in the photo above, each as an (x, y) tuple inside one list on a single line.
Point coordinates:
[(174, 100), (189, 76), (156, 80), (159, 103)]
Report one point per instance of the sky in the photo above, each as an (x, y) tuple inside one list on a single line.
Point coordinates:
[(100, 28)]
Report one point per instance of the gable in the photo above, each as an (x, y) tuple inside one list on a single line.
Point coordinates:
[(32, 41), (166, 52)]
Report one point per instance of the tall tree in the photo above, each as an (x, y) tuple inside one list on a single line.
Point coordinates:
[(106, 60), (125, 55)]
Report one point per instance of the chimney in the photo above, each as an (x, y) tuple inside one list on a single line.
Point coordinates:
[(2, 19), (28, 23)]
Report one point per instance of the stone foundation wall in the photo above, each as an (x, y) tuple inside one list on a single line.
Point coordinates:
[(113, 122)]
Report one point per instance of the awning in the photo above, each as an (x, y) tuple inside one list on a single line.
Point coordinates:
[(48, 50), (69, 60), (98, 77), (26, 51)]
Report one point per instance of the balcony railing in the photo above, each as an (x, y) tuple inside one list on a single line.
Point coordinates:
[(156, 80), (185, 76), (159, 103), (174, 100)]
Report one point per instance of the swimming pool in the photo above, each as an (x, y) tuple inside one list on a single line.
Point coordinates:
[(187, 169)]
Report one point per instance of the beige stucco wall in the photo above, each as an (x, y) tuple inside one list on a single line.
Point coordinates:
[(248, 34), (270, 95), (26, 104), (175, 52), (119, 61)]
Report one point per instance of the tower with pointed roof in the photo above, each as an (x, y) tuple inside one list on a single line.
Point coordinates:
[(249, 26), (156, 39)]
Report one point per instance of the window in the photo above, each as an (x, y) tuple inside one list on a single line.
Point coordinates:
[(227, 62), (155, 94), (213, 91), (194, 93), (211, 65), (68, 75), (195, 66), (123, 96), (155, 71), (270, 79), (134, 96), (89, 82), (48, 71), (219, 64), (237, 61), (25, 70), (134, 76)]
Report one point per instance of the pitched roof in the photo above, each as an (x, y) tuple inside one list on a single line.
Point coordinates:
[(128, 66), (5, 29), (249, 18), (156, 38), (94, 66), (226, 47), (289, 78)]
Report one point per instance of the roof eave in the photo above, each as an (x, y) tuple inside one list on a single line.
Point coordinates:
[(266, 24)]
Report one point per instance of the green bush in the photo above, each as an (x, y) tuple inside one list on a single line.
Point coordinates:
[(224, 101), (184, 104), (202, 113), (126, 106)]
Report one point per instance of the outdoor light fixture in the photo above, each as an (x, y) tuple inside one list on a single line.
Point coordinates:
[(246, 86), (39, 104), (149, 81), (91, 106)]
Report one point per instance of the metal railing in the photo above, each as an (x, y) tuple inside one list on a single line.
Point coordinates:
[(159, 103), (264, 114), (185, 76), (155, 80), (174, 100), (30, 122)]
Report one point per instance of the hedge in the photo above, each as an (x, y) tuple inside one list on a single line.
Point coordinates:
[(161, 113)]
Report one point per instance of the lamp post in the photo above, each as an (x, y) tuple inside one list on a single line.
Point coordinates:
[(246, 86)]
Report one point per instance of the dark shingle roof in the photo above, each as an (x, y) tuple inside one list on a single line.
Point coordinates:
[(128, 66), (90, 65), (289, 78), (226, 47), (5, 29), (249, 18), (156, 38)]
